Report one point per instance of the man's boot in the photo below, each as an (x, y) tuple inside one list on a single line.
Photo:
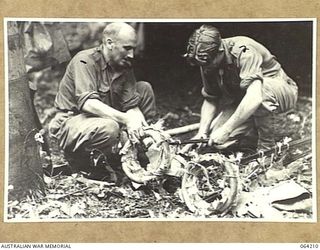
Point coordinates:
[(266, 131), (100, 169)]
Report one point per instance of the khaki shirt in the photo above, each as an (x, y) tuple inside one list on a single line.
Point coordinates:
[(88, 76), (245, 61)]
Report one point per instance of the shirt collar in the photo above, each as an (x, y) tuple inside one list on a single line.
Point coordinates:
[(225, 46), (99, 57)]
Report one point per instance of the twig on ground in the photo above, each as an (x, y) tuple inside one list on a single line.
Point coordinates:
[(72, 193), (184, 129)]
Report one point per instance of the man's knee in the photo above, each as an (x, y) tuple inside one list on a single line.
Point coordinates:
[(108, 128), (103, 135), (89, 133), (148, 103), (279, 95), (145, 88), (86, 134)]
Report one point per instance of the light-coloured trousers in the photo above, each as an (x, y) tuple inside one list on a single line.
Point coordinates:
[(280, 94)]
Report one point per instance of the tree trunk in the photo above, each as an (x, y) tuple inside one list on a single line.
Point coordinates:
[(25, 170)]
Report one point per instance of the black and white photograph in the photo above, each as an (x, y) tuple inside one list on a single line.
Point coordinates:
[(160, 120)]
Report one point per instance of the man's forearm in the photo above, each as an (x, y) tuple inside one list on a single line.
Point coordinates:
[(136, 114), (100, 109), (135, 111), (208, 111), (248, 105)]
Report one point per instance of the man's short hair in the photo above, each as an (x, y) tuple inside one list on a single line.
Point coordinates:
[(112, 30)]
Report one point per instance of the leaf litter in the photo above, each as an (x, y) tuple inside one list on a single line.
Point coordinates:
[(69, 197)]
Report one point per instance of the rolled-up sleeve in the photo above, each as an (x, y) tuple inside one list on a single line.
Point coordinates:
[(250, 62), (85, 80)]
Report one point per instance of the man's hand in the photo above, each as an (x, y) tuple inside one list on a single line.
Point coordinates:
[(186, 148), (248, 105), (135, 123), (133, 119), (219, 136)]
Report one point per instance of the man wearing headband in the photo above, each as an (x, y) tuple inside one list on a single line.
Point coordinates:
[(244, 88)]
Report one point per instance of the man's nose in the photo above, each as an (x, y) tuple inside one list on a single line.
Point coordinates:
[(131, 53)]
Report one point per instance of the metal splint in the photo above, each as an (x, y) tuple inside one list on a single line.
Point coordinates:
[(201, 195), (210, 182)]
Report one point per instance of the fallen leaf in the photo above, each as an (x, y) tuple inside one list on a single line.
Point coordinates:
[(43, 208), (55, 213), (75, 209), (302, 206), (48, 180), (13, 203), (156, 195), (65, 208), (151, 213)]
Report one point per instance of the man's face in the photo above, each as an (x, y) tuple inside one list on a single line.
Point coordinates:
[(202, 55), (216, 60), (122, 52)]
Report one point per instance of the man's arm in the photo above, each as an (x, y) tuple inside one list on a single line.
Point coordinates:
[(96, 107), (248, 105), (208, 112), (133, 119), (135, 123)]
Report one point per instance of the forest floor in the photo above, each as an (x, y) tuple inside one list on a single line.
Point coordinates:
[(72, 197)]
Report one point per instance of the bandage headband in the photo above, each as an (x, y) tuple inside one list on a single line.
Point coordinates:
[(203, 42)]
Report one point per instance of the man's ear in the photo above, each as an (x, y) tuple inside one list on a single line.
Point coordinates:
[(109, 43)]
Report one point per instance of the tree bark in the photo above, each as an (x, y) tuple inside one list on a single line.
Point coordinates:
[(25, 170)]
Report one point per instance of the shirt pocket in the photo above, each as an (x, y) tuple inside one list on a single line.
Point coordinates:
[(104, 90), (103, 85)]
